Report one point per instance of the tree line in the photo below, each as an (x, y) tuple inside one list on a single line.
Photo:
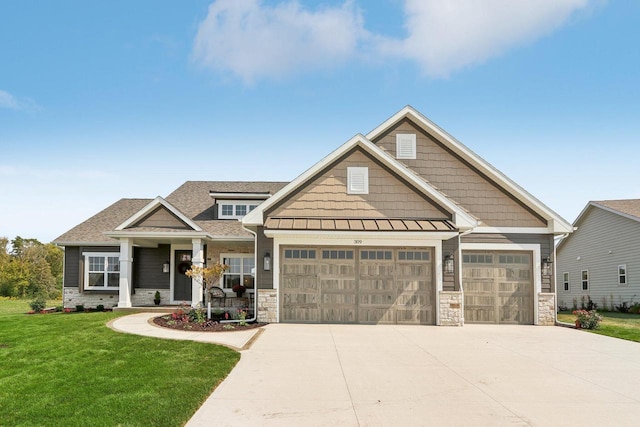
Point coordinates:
[(29, 268)]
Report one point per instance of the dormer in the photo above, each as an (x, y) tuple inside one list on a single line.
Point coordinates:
[(235, 205)]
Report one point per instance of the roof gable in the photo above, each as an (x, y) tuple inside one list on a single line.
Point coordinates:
[(460, 218), (145, 217), (555, 223)]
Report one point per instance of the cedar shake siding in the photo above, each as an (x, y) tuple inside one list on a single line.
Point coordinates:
[(389, 197), (460, 181), (147, 267), (161, 218)]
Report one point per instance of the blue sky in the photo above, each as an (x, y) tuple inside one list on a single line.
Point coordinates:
[(105, 99)]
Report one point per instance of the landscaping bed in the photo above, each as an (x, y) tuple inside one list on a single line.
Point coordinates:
[(167, 321)]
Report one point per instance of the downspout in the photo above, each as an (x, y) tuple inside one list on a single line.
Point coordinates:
[(555, 276), (255, 284)]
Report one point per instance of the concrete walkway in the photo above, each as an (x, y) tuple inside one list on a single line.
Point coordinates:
[(140, 324)]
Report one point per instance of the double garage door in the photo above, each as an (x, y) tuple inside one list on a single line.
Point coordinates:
[(498, 287), (357, 285)]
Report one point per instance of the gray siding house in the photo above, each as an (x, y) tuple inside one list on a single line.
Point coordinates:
[(404, 225), (601, 258)]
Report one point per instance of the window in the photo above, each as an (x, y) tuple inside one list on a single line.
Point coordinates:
[(235, 210), (376, 255), (337, 254), (477, 259), (513, 259), (565, 281), (585, 280), (405, 146), (358, 180), (622, 274), (240, 268), (413, 256), (101, 270), (300, 254)]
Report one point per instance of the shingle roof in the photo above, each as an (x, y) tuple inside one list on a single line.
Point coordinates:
[(627, 206), (91, 230), (192, 199)]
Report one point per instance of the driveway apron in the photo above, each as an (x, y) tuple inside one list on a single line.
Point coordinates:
[(358, 375)]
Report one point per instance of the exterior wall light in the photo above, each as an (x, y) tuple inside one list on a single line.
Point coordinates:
[(166, 267), (546, 266), (448, 264), (266, 261)]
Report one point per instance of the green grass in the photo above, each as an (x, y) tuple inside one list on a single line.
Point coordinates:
[(618, 325), (71, 370)]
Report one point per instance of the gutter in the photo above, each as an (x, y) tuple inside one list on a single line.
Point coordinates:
[(555, 276)]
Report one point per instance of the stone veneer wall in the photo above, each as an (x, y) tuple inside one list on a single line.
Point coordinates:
[(268, 305), (142, 297), (73, 297), (451, 308), (546, 309)]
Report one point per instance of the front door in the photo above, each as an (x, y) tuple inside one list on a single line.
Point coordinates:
[(182, 282)]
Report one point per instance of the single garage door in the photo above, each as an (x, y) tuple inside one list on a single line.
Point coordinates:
[(357, 285), (498, 287)]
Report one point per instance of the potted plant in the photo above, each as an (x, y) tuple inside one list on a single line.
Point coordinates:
[(156, 298), (238, 289)]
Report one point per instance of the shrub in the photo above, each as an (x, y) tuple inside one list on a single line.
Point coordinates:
[(38, 304), (100, 307), (197, 315), (590, 304), (623, 307), (635, 308), (80, 308), (587, 319)]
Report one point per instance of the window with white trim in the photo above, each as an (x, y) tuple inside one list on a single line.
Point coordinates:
[(239, 272), (585, 280), (405, 146), (565, 281), (230, 209), (622, 274), (101, 270), (357, 180)]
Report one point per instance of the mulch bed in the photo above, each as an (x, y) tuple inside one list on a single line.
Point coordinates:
[(209, 326)]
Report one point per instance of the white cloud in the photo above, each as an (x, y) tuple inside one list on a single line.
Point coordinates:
[(254, 40), (444, 36), (12, 103)]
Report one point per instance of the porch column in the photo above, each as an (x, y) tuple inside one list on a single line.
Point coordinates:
[(126, 272), (197, 259)]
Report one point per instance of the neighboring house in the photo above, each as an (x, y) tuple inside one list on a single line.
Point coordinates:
[(601, 258), (403, 225)]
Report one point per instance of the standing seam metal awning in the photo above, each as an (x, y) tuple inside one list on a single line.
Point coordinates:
[(359, 224)]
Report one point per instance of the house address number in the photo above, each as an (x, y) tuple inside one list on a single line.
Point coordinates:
[(357, 242)]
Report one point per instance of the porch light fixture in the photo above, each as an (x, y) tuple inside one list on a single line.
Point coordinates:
[(448, 264), (266, 261), (166, 267), (546, 266)]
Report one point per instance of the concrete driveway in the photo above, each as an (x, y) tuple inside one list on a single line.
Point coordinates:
[(343, 375)]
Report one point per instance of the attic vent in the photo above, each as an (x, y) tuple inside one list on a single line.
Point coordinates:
[(406, 145), (358, 180)]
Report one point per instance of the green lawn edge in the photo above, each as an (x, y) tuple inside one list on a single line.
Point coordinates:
[(617, 325), (71, 369)]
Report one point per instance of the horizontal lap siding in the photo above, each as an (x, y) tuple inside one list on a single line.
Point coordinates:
[(147, 267), (603, 241)]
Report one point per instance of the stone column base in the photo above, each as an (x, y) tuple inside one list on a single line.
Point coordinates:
[(450, 308), (546, 309), (268, 305)]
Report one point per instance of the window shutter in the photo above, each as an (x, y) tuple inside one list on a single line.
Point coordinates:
[(358, 180), (405, 146)]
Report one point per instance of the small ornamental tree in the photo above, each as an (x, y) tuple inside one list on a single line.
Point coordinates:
[(207, 276)]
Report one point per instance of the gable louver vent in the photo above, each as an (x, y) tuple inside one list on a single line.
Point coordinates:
[(358, 180), (406, 146)]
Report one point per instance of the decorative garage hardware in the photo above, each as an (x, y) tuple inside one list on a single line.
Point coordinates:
[(166, 267)]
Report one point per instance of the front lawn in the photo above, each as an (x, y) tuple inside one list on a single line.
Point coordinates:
[(618, 325), (71, 370)]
